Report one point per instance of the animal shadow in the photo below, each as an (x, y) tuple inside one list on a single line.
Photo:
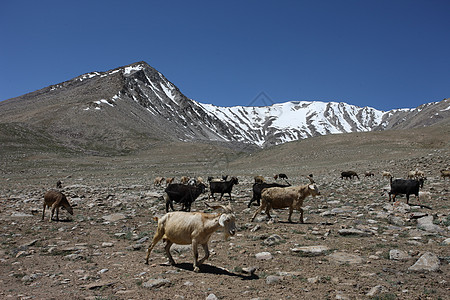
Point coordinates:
[(208, 269)]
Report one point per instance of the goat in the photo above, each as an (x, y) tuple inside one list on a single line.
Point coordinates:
[(445, 173), (405, 186), (222, 187), (56, 200), (192, 181), (158, 181), (415, 174), (259, 187), (59, 184), (368, 174), (259, 179), (184, 194), (193, 228), (349, 175), (291, 197), (184, 179), (386, 174), (169, 180), (282, 176)]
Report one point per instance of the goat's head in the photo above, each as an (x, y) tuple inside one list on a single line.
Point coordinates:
[(227, 219), (202, 187), (234, 180), (314, 190), (67, 207)]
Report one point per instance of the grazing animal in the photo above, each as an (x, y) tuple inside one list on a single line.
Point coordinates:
[(182, 193), (59, 184), (415, 174), (169, 180), (259, 187), (368, 174), (222, 187), (259, 179), (291, 197), (194, 228), (386, 174), (445, 173), (184, 179), (282, 176), (158, 181), (55, 200), (349, 175), (405, 187)]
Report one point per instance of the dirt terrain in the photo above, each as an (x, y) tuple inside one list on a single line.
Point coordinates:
[(365, 246)]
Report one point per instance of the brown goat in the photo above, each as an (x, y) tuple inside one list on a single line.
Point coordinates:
[(291, 197), (259, 179), (158, 180), (445, 173), (169, 180), (55, 200)]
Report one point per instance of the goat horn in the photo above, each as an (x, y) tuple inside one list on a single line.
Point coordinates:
[(310, 179)]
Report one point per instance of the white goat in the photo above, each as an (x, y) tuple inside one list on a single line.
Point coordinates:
[(193, 228), (386, 174)]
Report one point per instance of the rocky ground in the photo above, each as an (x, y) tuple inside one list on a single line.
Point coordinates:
[(354, 244)]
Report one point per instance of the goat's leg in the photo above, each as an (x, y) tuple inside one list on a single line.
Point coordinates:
[(156, 238), (195, 253), (221, 195), (301, 215), (291, 210), (260, 208), (53, 212), (268, 207), (205, 248), (43, 212), (167, 248)]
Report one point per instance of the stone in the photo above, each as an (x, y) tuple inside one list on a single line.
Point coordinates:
[(263, 256), (375, 290), (396, 254), (427, 262), (354, 232), (343, 258), (273, 239), (156, 283), (212, 297), (114, 217), (99, 284), (271, 279), (426, 223), (311, 250)]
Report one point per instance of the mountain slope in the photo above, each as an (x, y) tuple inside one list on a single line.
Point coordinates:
[(132, 107)]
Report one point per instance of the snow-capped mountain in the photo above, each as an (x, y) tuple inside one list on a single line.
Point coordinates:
[(135, 104)]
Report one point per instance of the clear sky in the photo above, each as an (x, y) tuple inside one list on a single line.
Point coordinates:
[(382, 53)]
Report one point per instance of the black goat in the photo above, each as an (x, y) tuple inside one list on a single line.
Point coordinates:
[(349, 175), (222, 187), (184, 194), (259, 187), (406, 187)]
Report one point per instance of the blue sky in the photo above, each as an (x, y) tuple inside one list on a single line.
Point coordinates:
[(383, 54)]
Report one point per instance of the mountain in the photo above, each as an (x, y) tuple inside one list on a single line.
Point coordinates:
[(133, 107)]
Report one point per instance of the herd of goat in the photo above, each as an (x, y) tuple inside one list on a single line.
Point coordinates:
[(195, 228)]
